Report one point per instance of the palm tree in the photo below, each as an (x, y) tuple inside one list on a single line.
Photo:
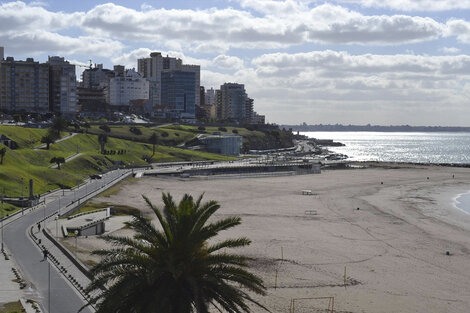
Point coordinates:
[(177, 267), (102, 139), (58, 161), (153, 140), (48, 139), (3, 151)]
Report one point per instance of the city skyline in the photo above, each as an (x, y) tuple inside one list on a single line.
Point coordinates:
[(345, 61)]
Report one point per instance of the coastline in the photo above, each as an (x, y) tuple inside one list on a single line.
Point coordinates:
[(393, 248), (456, 202)]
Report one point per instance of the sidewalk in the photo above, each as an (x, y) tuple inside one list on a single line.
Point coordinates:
[(12, 286), (58, 140)]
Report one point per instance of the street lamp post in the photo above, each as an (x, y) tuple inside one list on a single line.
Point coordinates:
[(56, 226), (76, 242), (2, 222)]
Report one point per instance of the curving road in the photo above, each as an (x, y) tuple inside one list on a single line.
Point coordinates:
[(63, 296)]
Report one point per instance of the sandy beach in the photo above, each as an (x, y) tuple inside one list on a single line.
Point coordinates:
[(393, 247)]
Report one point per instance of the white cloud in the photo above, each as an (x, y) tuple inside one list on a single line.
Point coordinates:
[(20, 16), (413, 5), (450, 50), (460, 29), (228, 62), (48, 42), (278, 28), (332, 86)]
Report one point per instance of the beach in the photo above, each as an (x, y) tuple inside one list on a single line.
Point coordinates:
[(388, 227)]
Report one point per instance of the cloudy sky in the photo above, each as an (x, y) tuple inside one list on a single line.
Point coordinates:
[(345, 61)]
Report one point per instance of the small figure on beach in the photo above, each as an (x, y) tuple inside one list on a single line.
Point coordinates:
[(44, 253), (39, 227)]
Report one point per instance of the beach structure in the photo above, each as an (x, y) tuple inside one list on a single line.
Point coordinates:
[(223, 144)]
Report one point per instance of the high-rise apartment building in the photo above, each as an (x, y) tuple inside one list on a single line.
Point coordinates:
[(24, 86), (152, 69), (62, 86), (178, 94), (130, 86), (2, 53), (231, 102)]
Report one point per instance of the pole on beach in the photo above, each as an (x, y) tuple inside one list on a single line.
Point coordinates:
[(275, 281), (282, 254), (345, 276)]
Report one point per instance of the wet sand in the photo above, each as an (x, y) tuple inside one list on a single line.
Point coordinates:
[(393, 247)]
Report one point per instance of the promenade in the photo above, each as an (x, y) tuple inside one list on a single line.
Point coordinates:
[(56, 283)]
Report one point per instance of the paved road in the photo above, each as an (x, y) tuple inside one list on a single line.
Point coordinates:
[(63, 297)]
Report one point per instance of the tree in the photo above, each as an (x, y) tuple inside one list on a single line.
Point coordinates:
[(59, 124), (3, 151), (58, 161), (176, 267), (102, 139), (153, 140), (105, 128), (86, 126), (48, 139)]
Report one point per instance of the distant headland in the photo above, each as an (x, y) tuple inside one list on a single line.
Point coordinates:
[(376, 128)]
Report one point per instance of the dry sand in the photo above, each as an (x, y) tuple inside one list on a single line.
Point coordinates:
[(393, 247)]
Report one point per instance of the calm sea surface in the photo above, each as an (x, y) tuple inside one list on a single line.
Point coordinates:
[(404, 147), (400, 147)]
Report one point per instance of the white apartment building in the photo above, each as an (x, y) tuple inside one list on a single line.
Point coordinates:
[(210, 97), (130, 86)]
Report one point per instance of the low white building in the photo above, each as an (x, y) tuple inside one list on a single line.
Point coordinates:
[(130, 86)]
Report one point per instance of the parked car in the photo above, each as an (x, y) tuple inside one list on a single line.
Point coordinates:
[(96, 176)]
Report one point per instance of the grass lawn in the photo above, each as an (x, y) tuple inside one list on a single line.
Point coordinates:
[(22, 164)]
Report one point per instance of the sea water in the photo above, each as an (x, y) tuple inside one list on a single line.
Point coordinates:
[(443, 147), (462, 202)]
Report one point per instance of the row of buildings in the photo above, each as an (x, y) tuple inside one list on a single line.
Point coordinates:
[(162, 87)]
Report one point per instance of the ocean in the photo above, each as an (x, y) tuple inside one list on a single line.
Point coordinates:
[(445, 147)]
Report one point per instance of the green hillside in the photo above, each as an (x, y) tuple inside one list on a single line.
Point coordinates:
[(25, 163)]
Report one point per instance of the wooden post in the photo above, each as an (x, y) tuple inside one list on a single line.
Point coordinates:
[(275, 281), (282, 254), (345, 276)]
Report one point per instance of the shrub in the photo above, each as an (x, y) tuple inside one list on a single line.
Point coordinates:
[(135, 130)]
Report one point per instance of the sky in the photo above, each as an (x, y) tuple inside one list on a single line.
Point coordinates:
[(381, 62)]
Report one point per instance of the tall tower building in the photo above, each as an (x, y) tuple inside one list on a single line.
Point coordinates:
[(2, 53), (178, 96), (152, 69), (62, 86), (231, 102)]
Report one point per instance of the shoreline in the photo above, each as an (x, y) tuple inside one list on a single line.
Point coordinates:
[(456, 202)]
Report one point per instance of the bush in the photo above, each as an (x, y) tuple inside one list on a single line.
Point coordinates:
[(165, 134), (135, 130), (201, 128), (235, 131), (222, 129)]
